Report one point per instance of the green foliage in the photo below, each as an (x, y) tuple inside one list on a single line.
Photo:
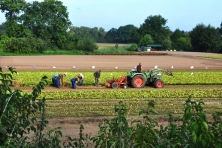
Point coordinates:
[(12, 10), (21, 113), (24, 45), (86, 44), (136, 36), (166, 43), (205, 77), (147, 39), (112, 36), (2, 28), (95, 33), (132, 47), (19, 116), (191, 130), (155, 26), (114, 132), (184, 44), (205, 39), (123, 33), (47, 20), (175, 36)]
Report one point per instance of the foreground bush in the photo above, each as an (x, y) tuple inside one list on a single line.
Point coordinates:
[(20, 114)]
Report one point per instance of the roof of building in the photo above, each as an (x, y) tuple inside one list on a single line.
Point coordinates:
[(154, 45)]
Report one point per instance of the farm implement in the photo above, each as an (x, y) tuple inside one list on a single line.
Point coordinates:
[(117, 83), (140, 79)]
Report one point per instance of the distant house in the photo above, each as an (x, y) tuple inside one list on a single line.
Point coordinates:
[(154, 47)]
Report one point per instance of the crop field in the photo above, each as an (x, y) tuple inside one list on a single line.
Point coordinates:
[(65, 104), (28, 78)]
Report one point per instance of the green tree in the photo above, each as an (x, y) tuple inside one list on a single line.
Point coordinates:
[(101, 35), (25, 45), (132, 47), (112, 36), (156, 27), (184, 43), (2, 28), (86, 32), (147, 39), (48, 20), (86, 44), (124, 34), (174, 38), (136, 36), (166, 43), (205, 39), (220, 30), (13, 9), (176, 35)]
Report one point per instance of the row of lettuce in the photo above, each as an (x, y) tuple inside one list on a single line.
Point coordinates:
[(130, 93), (31, 78)]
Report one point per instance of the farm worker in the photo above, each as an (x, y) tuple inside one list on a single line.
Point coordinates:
[(80, 81), (97, 76), (58, 77), (139, 67), (73, 81)]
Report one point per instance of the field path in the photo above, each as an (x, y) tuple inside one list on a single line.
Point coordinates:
[(179, 60)]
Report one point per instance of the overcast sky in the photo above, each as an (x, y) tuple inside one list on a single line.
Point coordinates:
[(181, 14)]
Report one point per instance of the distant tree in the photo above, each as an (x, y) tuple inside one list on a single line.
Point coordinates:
[(166, 44), (12, 10), (132, 47), (205, 39), (124, 34), (86, 32), (174, 38), (147, 39), (112, 36), (184, 43), (86, 44), (135, 35), (101, 35), (2, 28), (156, 27), (47, 20), (220, 30)]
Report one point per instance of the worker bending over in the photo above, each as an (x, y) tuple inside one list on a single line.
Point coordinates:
[(80, 81), (58, 78)]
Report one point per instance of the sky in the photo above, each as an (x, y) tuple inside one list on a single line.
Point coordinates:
[(108, 14)]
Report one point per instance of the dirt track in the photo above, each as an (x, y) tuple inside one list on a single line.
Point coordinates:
[(179, 60)]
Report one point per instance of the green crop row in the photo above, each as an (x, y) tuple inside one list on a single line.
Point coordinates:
[(105, 107), (180, 78), (212, 56), (126, 94), (85, 103)]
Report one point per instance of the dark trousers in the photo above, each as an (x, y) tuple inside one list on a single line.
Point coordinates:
[(96, 81)]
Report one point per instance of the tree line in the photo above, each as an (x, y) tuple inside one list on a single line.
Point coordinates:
[(39, 26)]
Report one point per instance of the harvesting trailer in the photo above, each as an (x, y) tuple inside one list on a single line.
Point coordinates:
[(152, 76)]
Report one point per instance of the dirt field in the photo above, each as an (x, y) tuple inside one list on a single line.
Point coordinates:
[(179, 60), (70, 126)]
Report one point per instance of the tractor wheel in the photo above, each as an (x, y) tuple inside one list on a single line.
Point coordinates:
[(138, 81), (158, 83), (114, 85)]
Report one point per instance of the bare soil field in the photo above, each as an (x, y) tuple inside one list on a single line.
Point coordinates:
[(70, 126), (179, 60)]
